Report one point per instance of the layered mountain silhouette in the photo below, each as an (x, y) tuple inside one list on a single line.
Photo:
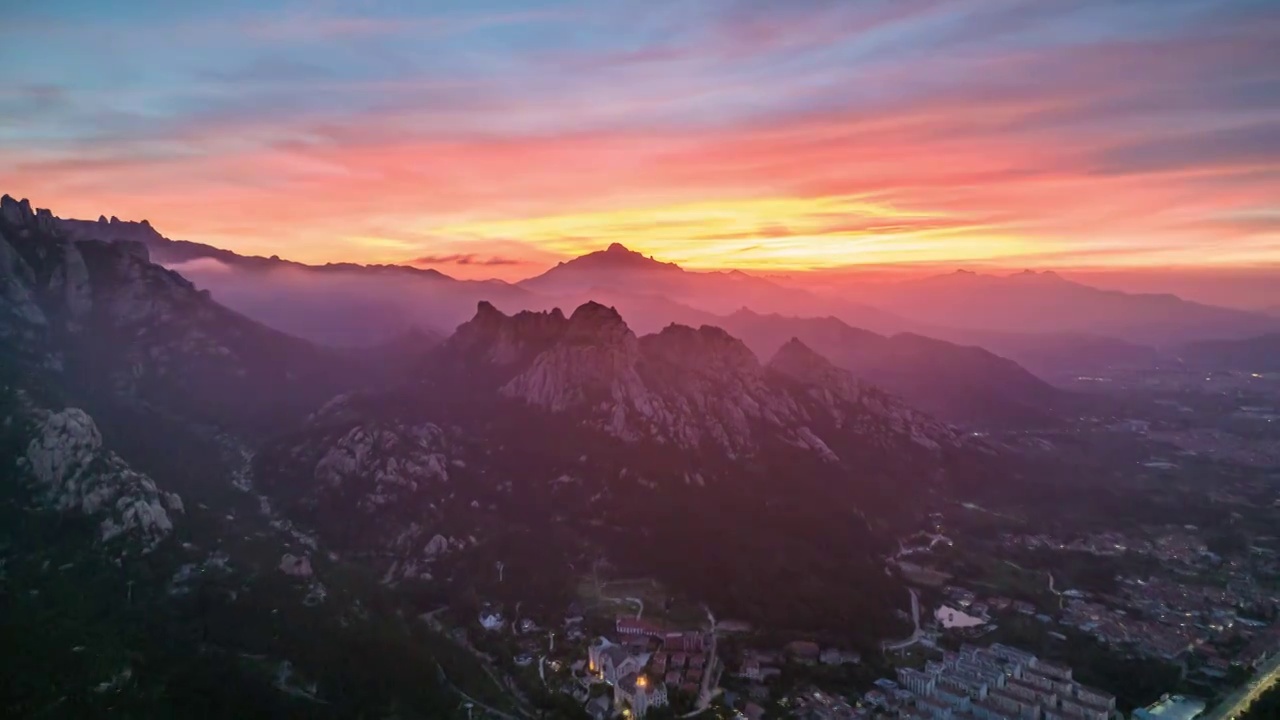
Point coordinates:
[(115, 325), (1046, 303), (572, 427), (622, 271), (341, 304), (1253, 355), (960, 383), (1054, 327)]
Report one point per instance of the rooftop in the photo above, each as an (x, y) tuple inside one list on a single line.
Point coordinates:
[(1175, 707)]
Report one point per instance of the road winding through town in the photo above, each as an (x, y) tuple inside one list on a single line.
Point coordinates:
[(1235, 705)]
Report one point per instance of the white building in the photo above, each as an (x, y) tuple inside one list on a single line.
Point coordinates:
[(920, 683), (638, 693), (610, 661)]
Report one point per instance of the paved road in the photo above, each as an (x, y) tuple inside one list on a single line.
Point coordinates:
[(915, 634), (1236, 704)]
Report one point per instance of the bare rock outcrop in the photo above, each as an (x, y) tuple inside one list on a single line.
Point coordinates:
[(75, 473), (296, 566), (688, 387)]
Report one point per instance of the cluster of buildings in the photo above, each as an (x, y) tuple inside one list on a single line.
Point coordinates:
[(1170, 544), (1172, 621), (994, 683), (647, 663), (983, 606), (1172, 618)]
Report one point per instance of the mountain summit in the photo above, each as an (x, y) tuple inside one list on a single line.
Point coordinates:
[(625, 277), (691, 388), (602, 268)]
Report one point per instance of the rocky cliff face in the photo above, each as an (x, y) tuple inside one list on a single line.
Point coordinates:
[(690, 388), (380, 487), (73, 472), (114, 230), (103, 313)]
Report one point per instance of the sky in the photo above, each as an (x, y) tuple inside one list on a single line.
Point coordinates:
[(493, 139)]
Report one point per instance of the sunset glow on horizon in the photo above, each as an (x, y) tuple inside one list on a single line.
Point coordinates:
[(494, 140)]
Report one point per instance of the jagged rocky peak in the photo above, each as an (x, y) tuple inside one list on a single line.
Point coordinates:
[(798, 361), (114, 230), (686, 387), (15, 212), (708, 347), (19, 216), (593, 322), (801, 363), (503, 339), (618, 256)]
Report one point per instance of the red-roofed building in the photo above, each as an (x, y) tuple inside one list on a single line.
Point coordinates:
[(635, 626), (692, 641)]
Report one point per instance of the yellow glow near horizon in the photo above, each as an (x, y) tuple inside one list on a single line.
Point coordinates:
[(776, 233)]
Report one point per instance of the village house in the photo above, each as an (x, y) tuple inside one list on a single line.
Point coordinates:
[(492, 620), (636, 693), (691, 641), (610, 661)]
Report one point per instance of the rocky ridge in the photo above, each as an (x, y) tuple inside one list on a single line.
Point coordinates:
[(95, 307), (74, 472), (385, 483), (686, 387)]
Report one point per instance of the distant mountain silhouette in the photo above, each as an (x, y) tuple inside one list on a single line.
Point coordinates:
[(341, 304), (1055, 356), (958, 383), (624, 271), (1044, 302), (1256, 354), (1050, 325)]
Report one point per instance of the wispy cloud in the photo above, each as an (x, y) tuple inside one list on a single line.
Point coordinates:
[(465, 259)]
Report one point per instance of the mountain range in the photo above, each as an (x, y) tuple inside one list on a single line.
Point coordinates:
[(1045, 302), (234, 489), (339, 304), (1051, 326), (964, 384), (252, 494), (682, 443), (621, 271), (1252, 355)]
